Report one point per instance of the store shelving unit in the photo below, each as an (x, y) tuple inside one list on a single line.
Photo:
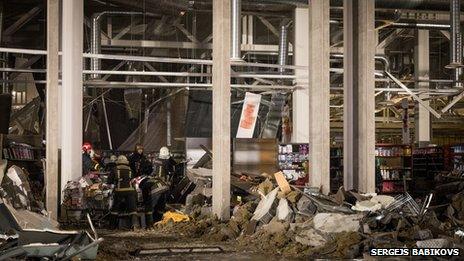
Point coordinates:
[(457, 158), (336, 168), (393, 168), (292, 159), (427, 162)]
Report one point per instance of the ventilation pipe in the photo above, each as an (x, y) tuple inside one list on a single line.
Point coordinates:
[(283, 44), (236, 29), (3, 55), (455, 42), (95, 40)]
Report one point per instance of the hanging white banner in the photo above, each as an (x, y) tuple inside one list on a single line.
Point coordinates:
[(250, 111)]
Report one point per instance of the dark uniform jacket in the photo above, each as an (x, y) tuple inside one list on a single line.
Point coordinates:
[(140, 165), (165, 169), (121, 177), (87, 164)]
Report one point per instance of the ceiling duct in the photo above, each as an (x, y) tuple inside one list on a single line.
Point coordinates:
[(455, 42), (236, 17), (95, 39), (437, 5), (283, 44)]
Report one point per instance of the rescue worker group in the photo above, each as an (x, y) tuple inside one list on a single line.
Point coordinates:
[(126, 174)]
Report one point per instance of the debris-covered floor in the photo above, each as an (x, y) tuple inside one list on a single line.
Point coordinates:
[(270, 219), (287, 223), (159, 245)]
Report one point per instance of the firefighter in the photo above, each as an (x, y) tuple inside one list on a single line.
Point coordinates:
[(87, 162), (165, 165), (111, 164), (139, 163), (147, 183), (125, 195), (164, 173)]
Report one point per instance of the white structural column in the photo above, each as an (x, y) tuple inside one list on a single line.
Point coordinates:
[(51, 154), (421, 69), (359, 116), (349, 176), (71, 95), (221, 108), (300, 103), (319, 94)]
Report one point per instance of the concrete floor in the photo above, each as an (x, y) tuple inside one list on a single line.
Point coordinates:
[(127, 245)]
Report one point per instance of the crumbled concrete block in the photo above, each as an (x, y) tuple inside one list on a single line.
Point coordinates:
[(266, 207), (366, 205), (284, 212), (383, 200), (265, 187), (293, 196), (275, 227), (335, 222), (306, 206), (250, 227)]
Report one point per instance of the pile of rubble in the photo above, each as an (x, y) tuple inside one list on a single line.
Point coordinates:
[(276, 217), (26, 229)]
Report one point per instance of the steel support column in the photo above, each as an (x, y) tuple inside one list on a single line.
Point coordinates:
[(221, 108), (319, 94), (71, 142)]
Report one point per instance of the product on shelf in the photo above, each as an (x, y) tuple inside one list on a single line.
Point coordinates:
[(458, 158), (336, 168), (291, 160), (20, 151), (427, 162), (393, 167)]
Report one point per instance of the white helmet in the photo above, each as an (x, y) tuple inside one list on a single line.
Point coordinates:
[(164, 153)]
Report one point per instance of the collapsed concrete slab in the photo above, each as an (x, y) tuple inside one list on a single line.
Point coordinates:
[(335, 222), (265, 210), (284, 212), (39, 236), (367, 205)]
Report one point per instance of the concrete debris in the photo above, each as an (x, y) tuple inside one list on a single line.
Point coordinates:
[(335, 222), (265, 187), (306, 223), (3, 165), (293, 196), (383, 200), (17, 190), (311, 237), (32, 235), (367, 205), (284, 212), (306, 206), (459, 233), (265, 210), (275, 227)]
